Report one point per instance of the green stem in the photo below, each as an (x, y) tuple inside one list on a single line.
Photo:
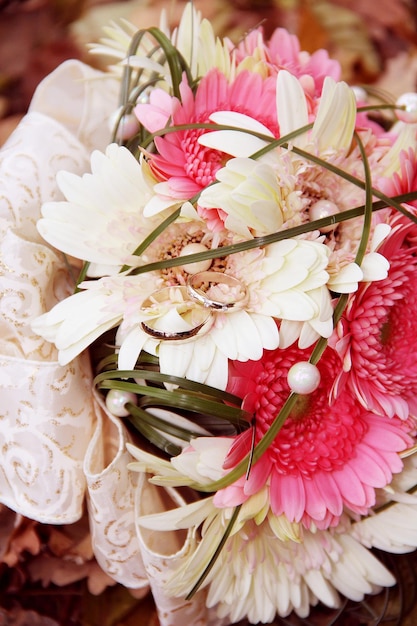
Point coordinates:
[(82, 275), (219, 548), (260, 242), (367, 221), (271, 141)]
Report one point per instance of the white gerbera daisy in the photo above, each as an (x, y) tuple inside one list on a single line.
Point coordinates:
[(101, 220), (114, 47), (393, 527), (194, 38), (203, 358), (267, 566), (249, 192)]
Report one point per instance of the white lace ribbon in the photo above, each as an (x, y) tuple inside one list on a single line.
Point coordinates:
[(46, 422), (111, 489), (162, 552), (47, 414)]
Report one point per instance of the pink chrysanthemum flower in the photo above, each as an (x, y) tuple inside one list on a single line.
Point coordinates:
[(282, 51), (325, 457), (185, 165), (378, 333)]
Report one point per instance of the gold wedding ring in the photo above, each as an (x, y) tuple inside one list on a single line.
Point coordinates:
[(201, 319), (217, 291)]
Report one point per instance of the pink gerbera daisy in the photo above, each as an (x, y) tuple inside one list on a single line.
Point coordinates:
[(404, 180), (325, 457), (187, 166), (378, 333), (283, 51)]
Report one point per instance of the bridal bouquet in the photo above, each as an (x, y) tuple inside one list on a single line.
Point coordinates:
[(213, 338)]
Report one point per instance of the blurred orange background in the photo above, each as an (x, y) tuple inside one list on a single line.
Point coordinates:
[(373, 46)]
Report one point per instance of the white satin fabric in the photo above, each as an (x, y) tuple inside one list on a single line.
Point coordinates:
[(60, 447)]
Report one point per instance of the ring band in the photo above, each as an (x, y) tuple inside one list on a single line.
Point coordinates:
[(229, 293), (175, 297), (155, 333)]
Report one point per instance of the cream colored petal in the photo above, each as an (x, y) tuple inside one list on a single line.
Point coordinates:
[(291, 106), (346, 280), (237, 143), (184, 517), (407, 138), (379, 235), (336, 117), (74, 323), (131, 347), (374, 267)]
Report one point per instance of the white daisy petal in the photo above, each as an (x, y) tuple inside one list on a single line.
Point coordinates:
[(289, 332), (291, 106), (217, 375), (322, 588), (346, 279), (202, 359), (237, 143), (233, 142), (225, 339), (374, 267), (336, 116), (183, 517), (240, 120), (380, 233), (176, 358), (267, 330), (130, 348)]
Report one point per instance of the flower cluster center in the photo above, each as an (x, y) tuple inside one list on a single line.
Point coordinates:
[(201, 163), (315, 436)]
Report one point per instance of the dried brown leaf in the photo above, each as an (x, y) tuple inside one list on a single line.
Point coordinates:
[(23, 539), (8, 521), (48, 570), (20, 617), (65, 542)]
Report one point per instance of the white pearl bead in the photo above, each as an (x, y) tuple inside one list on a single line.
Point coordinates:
[(409, 114), (116, 400), (128, 125), (303, 378), (144, 97), (360, 93), (199, 266), (323, 208)]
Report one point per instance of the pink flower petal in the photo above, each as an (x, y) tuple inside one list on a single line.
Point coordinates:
[(330, 492), (351, 488), (287, 496), (258, 475)]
